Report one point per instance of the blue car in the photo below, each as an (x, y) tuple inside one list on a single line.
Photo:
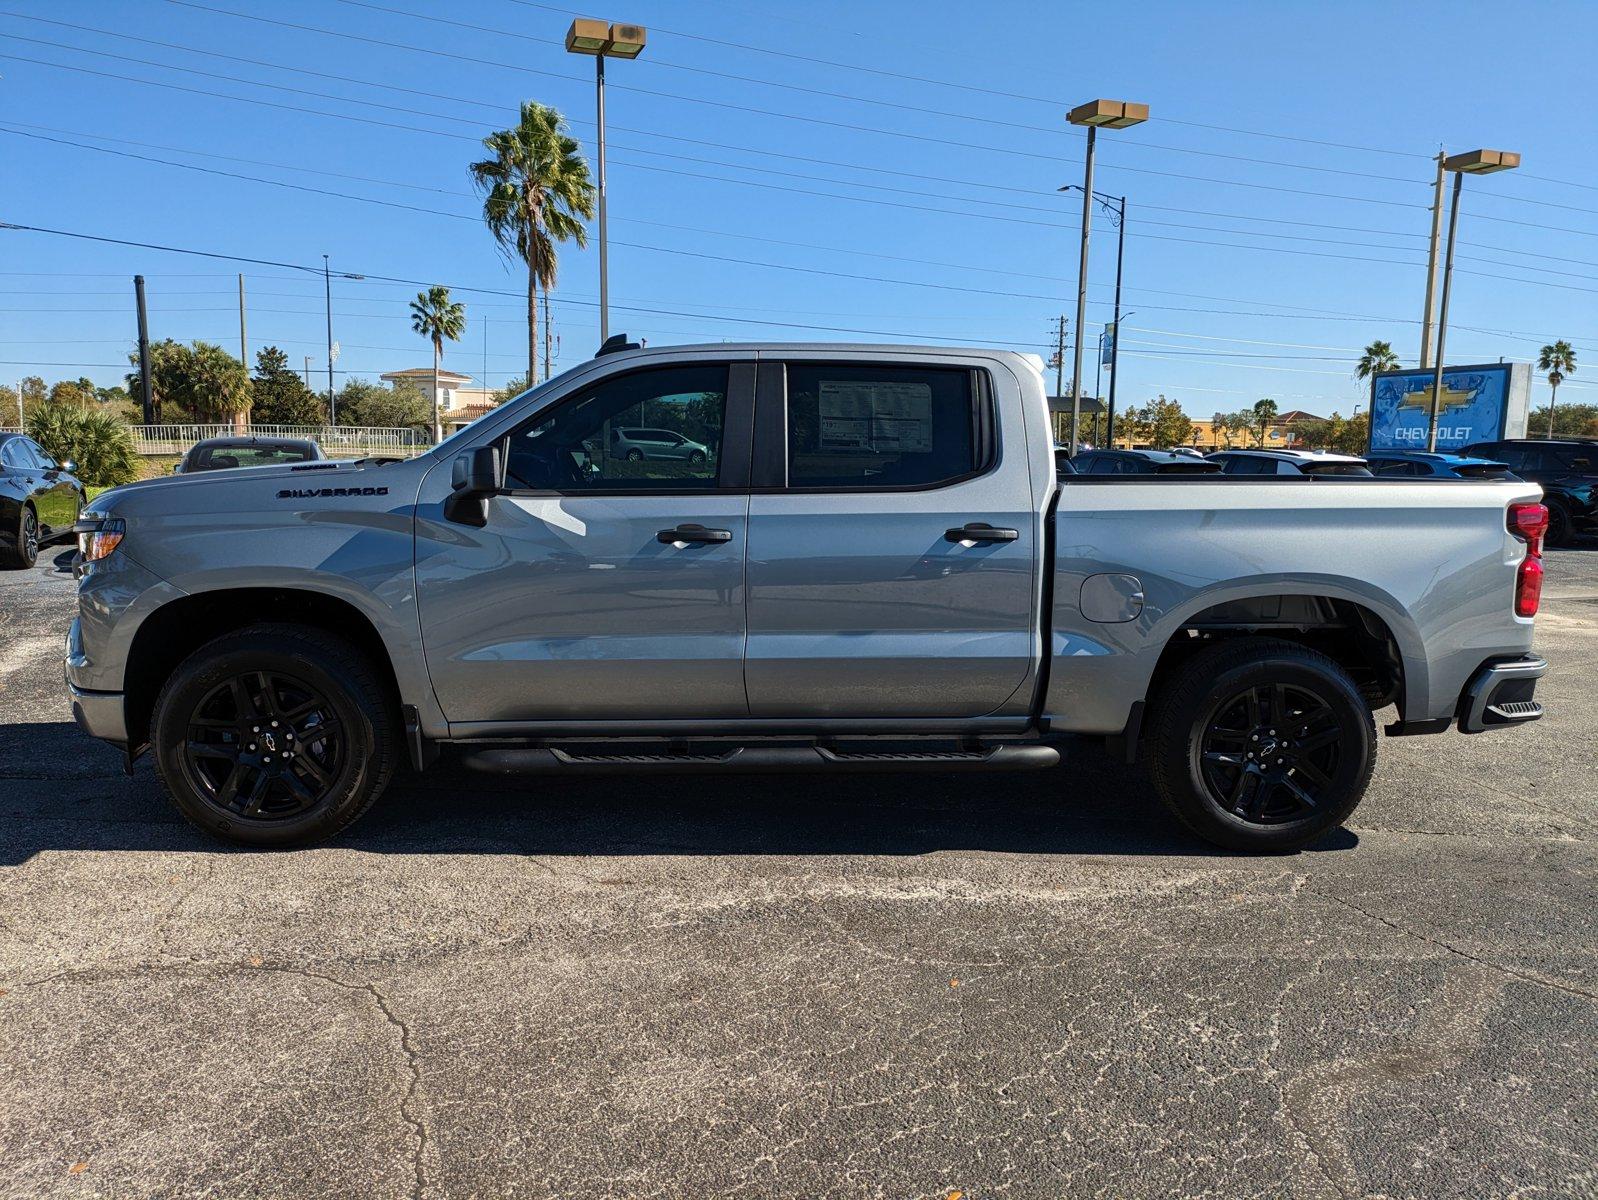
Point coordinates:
[(1422, 464)]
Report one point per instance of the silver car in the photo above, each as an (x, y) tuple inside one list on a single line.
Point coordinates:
[(638, 444)]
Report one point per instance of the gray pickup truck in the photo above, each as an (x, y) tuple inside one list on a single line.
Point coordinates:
[(875, 566)]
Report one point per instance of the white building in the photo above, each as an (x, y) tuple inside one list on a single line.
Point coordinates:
[(459, 404)]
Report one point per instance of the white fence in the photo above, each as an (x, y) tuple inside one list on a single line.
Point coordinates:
[(337, 441)]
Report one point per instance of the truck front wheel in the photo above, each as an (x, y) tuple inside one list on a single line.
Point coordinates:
[(1260, 745), (276, 735)]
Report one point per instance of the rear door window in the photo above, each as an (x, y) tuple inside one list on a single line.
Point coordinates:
[(856, 426), (1574, 460)]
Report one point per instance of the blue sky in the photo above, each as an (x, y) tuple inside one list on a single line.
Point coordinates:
[(908, 192)]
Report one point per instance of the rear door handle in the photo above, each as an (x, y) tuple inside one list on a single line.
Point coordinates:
[(693, 533), (980, 531)]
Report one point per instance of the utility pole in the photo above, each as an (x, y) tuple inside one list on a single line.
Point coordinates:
[(20, 421), (307, 372), (144, 353), (1059, 367), (244, 345), (1115, 345), (327, 285), (545, 298), (1427, 325)]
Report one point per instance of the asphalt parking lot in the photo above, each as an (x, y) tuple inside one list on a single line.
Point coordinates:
[(1023, 986)]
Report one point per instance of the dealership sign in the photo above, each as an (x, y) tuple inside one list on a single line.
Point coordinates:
[(1477, 404)]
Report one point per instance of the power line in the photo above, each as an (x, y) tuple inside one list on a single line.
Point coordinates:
[(809, 159)]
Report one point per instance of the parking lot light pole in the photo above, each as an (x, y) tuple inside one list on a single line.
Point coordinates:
[(1108, 114), (603, 40), (1118, 213), (1472, 162)]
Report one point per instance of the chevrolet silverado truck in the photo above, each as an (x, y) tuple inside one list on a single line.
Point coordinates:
[(874, 566)]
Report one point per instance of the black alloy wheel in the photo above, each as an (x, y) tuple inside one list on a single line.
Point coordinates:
[(1260, 745), (1560, 528), (264, 746), (1270, 752), (275, 735), (28, 539)]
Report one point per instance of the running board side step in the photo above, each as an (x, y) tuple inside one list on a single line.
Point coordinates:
[(758, 759)]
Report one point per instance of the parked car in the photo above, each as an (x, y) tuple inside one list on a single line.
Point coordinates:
[(1142, 462), (226, 453), (1289, 462), (39, 499), (1567, 470), (882, 572), (1422, 464), (635, 445)]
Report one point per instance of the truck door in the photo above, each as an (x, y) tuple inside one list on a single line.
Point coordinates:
[(603, 585), (893, 542)]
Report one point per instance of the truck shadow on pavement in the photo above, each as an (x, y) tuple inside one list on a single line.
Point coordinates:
[(63, 791)]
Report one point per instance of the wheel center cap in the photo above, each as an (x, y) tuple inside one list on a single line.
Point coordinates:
[(271, 742), (1268, 746)]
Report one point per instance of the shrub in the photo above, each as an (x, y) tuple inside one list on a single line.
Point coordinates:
[(100, 445)]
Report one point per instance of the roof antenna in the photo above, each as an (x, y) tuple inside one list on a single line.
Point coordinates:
[(615, 344)]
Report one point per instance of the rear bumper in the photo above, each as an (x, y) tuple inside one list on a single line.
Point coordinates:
[(1500, 695)]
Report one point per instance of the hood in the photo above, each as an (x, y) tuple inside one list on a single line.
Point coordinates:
[(242, 486)]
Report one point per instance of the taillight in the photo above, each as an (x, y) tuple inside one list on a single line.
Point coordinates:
[(1528, 586), (1529, 522)]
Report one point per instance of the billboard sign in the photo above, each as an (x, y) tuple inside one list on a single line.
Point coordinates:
[(1478, 404)]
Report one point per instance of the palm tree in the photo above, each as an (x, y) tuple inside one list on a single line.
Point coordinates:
[(536, 192), (1378, 358), (1264, 412), (436, 317), (1559, 360)]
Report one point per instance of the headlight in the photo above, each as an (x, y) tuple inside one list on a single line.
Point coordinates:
[(99, 538)]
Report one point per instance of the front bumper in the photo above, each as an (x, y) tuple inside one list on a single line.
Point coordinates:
[(1500, 695), (99, 714)]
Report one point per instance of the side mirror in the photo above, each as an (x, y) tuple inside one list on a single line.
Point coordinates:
[(68, 466), (474, 477)]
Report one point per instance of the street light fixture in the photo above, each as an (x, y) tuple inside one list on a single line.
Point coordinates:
[(602, 40), (1096, 114), (1472, 162)]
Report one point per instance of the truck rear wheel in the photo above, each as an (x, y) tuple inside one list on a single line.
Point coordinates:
[(276, 735), (1261, 745)]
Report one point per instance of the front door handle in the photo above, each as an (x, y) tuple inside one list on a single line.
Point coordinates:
[(693, 533), (980, 531)]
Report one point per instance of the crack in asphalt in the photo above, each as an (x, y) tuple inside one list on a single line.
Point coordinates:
[(1526, 976), (408, 1104)]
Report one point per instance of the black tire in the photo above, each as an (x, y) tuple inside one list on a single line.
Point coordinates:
[(635, 456), (21, 549), (1561, 531), (696, 458), (312, 698), (1260, 745)]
